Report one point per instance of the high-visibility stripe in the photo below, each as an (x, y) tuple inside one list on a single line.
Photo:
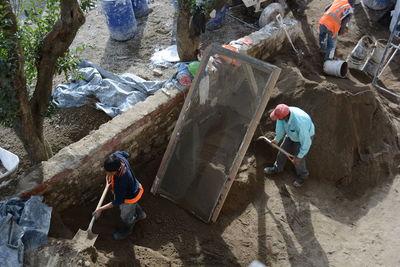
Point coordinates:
[(332, 17), (135, 199), (132, 200), (340, 9)]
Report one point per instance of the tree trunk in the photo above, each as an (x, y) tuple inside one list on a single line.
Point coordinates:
[(55, 44), (187, 41)]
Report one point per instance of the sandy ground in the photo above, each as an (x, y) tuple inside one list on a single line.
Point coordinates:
[(265, 219)]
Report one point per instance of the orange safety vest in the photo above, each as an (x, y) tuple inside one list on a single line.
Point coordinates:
[(132, 200), (332, 17)]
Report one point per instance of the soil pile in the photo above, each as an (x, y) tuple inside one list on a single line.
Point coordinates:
[(357, 142)]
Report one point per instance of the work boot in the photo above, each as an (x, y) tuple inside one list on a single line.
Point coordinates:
[(124, 232), (298, 182), (270, 170), (142, 216)]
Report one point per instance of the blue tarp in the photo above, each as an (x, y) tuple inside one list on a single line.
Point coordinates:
[(24, 224), (111, 93)]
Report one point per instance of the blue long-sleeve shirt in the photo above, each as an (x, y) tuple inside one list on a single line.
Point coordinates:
[(126, 186), (299, 128)]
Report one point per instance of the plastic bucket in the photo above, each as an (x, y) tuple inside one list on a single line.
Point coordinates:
[(360, 52), (140, 8), (216, 23), (269, 14), (120, 19), (377, 4), (336, 68), (376, 57)]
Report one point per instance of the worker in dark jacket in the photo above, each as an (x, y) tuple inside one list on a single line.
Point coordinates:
[(127, 191), (332, 24)]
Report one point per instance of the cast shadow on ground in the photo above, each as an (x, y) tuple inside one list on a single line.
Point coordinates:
[(119, 56), (298, 219), (337, 202), (311, 48)]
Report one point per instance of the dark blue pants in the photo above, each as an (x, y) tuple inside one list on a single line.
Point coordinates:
[(327, 42), (292, 148)]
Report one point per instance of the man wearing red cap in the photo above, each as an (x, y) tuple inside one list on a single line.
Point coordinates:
[(297, 128)]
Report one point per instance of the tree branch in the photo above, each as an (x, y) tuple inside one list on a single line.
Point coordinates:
[(55, 45)]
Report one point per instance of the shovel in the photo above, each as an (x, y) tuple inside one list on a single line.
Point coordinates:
[(288, 155), (84, 239)]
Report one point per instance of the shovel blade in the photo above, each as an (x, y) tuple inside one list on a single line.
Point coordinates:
[(84, 239)]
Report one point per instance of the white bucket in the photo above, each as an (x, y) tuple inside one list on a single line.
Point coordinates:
[(360, 53), (336, 68), (376, 57)]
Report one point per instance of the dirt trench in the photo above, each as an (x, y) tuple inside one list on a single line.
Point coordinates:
[(345, 214)]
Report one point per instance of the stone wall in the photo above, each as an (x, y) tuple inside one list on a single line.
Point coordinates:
[(77, 170)]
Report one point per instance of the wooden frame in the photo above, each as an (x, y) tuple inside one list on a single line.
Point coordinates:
[(234, 167)]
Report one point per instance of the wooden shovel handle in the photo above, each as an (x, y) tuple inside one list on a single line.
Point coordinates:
[(290, 156), (103, 196)]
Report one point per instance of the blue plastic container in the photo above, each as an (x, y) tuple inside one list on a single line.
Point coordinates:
[(377, 4), (216, 23), (140, 7), (120, 18)]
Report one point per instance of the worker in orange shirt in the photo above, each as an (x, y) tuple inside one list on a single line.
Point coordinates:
[(332, 24)]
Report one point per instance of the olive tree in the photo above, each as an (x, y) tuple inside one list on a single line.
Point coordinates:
[(34, 46)]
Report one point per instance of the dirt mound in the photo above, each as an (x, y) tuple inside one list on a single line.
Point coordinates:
[(357, 142), (61, 252)]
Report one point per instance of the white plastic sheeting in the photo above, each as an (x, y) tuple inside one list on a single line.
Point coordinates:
[(10, 162)]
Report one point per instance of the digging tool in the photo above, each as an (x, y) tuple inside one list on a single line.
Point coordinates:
[(288, 155), (84, 239), (279, 19)]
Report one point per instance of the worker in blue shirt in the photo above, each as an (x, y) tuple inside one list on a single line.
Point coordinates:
[(298, 130), (127, 191)]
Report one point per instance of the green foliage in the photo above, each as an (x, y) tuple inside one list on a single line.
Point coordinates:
[(35, 21), (8, 102), (200, 6)]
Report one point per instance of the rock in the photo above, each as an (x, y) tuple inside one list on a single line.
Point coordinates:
[(251, 160), (243, 168), (87, 263), (163, 31), (157, 72)]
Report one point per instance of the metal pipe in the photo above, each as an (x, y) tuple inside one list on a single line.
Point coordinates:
[(378, 70)]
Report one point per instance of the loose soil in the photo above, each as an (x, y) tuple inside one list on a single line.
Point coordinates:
[(346, 214)]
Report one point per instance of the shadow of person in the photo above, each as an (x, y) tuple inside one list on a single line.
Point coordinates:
[(298, 216), (310, 46), (119, 56)]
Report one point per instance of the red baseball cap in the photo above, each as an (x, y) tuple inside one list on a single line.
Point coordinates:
[(279, 112)]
